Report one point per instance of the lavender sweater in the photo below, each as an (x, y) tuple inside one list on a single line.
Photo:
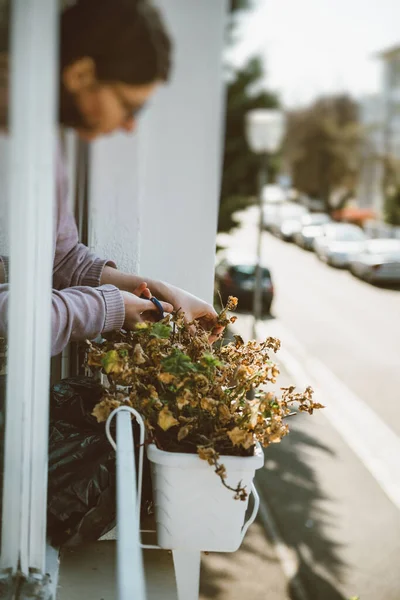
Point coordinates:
[(81, 308)]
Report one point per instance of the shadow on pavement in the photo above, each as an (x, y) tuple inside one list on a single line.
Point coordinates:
[(387, 286), (301, 514)]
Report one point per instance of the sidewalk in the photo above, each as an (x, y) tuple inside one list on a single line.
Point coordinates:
[(254, 572)]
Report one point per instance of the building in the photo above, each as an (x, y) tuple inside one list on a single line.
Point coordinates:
[(380, 115), (370, 187), (151, 204), (391, 100)]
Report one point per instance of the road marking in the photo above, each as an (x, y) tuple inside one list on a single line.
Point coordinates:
[(374, 442)]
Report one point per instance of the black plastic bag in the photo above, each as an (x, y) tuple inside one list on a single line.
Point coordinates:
[(81, 484)]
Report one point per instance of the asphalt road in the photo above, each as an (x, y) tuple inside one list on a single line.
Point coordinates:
[(353, 326), (332, 486)]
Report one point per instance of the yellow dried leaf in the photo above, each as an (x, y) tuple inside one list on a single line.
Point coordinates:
[(208, 454), (183, 432), (94, 360), (138, 355), (152, 392), (112, 362), (166, 378), (318, 405), (221, 471), (224, 412), (166, 419), (208, 404), (254, 408), (184, 399), (232, 303), (103, 409), (241, 437)]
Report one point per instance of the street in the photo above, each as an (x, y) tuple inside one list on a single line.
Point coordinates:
[(332, 488)]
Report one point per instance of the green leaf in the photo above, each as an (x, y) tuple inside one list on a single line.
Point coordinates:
[(178, 363), (160, 330), (112, 362), (209, 362)]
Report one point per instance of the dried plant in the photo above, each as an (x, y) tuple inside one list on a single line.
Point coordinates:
[(192, 395)]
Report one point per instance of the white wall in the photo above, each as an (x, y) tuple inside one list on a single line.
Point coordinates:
[(4, 171), (114, 224), (182, 151), (154, 195)]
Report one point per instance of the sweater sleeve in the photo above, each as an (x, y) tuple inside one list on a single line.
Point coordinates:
[(74, 264), (77, 314)]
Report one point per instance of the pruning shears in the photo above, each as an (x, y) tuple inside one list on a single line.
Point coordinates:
[(157, 304)]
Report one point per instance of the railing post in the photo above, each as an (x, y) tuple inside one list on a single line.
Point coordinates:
[(187, 573), (34, 89), (130, 570)]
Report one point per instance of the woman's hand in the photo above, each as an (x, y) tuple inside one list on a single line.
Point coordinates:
[(142, 291), (176, 298), (193, 307), (139, 309)]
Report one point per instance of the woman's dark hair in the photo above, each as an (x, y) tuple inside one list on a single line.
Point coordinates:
[(126, 39)]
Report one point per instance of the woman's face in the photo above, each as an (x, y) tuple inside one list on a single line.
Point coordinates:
[(95, 108)]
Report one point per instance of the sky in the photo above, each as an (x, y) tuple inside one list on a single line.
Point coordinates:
[(314, 47)]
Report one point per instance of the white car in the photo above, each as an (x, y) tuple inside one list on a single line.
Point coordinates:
[(282, 212), (291, 229), (379, 262), (339, 244), (273, 194), (309, 233)]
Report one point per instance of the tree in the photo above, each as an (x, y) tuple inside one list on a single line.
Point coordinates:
[(322, 148), (392, 206), (240, 164), (391, 189)]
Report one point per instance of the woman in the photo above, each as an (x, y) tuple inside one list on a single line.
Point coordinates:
[(114, 55)]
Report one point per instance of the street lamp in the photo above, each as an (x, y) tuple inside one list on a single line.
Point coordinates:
[(264, 129)]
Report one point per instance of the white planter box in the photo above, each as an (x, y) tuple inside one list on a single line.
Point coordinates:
[(194, 511)]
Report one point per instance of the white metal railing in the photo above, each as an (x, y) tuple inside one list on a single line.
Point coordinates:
[(130, 570), (130, 573), (32, 189)]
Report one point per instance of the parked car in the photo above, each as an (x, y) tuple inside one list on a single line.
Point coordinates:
[(283, 212), (339, 244), (308, 234), (273, 194), (379, 262), (313, 204), (236, 276), (270, 215), (290, 228)]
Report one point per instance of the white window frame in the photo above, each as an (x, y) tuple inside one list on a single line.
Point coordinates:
[(33, 132), (34, 85)]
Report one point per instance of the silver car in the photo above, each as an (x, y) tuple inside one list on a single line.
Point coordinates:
[(379, 263), (274, 216), (339, 244), (310, 229)]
